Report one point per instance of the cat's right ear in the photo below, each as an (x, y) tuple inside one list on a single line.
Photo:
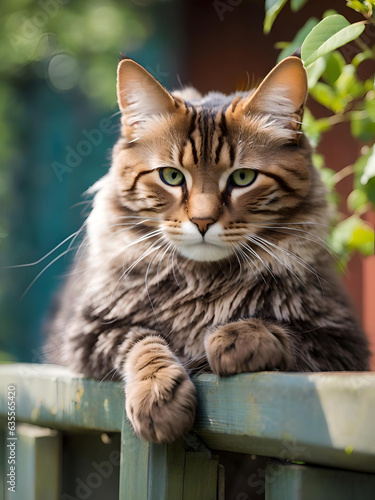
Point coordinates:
[(140, 95), (281, 94)]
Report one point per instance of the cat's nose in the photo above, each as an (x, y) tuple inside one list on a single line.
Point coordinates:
[(202, 223)]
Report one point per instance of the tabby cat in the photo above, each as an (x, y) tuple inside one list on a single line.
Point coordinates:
[(205, 250)]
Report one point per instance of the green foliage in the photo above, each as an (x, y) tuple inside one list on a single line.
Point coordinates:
[(70, 45), (296, 5), (332, 32), (352, 234), (334, 83), (273, 8), (298, 39)]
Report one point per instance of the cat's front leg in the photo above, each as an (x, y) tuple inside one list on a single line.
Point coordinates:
[(248, 345), (160, 397)]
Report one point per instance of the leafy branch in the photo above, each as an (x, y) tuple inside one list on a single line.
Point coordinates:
[(334, 83)]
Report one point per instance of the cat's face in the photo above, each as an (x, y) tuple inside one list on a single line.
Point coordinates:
[(212, 173)]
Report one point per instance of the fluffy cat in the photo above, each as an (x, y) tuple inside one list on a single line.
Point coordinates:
[(205, 250)]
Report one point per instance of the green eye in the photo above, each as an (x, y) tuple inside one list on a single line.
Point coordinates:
[(243, 177), (171, 176)]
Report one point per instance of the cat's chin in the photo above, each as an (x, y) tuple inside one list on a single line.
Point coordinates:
[(205, 252)]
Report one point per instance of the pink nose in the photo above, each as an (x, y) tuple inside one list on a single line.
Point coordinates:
[(202, 223)]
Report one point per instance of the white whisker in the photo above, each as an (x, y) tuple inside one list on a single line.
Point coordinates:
[(45, 256), (173, 271), (253, 252)]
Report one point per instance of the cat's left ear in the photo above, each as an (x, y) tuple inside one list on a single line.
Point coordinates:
[(282, 93), (139, 94)]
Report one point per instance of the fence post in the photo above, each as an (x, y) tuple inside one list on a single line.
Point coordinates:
[(301, 482), (38, 464), (151, 471)]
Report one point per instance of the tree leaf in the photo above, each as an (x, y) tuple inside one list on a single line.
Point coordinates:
[(273, 8), (362, 7), (315, 70), (296, 5), (357, 199), (298, 39), (370, 107), (369, 189), (348, 85), (329, 12), (362, 239), (364, 177), (369, 170), (335, 63), (326, 96), (362, 128), (332, 32), (362, 56), (352, 234)]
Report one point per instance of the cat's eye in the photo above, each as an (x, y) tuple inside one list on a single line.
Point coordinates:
[(171, 176), (243, 177)]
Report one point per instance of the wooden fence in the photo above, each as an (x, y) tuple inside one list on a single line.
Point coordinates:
[(73, 442)]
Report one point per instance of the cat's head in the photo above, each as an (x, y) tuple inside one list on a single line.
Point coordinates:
[(214, 174)]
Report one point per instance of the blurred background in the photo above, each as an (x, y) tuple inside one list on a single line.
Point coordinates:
[(58, 122)]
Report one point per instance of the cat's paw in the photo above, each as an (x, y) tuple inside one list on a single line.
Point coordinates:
[(160, 397), (249, 345)]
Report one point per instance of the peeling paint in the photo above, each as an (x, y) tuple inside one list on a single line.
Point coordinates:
[(78, 398), (36, 410)]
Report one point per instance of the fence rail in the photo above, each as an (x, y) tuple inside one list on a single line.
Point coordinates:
[(324, 421)]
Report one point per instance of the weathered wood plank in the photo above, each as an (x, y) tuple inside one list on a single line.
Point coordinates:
[(134, 465), (324, 418), (149, 471), (166, 471), (38, 463), (201, 477), (298, 482), (221, 483), (53, 396), (3, 463)]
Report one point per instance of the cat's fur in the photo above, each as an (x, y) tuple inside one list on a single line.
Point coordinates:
[(152, 298)]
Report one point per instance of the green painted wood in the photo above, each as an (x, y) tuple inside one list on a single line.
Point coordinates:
[(201, 477), (324, 418), (298, 482), (52, 396), (2, 463), (221, 483), (149, 471), (166, 471), (134, 465), (38, 464)]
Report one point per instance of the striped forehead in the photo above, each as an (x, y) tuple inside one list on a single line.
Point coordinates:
[(207, 142)]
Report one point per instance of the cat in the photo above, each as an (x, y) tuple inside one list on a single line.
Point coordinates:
[(205, 250)]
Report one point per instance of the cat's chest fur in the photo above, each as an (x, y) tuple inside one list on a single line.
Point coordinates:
[(179, 303)]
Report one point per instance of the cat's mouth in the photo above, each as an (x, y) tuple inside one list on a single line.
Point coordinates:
[(205, 251)]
